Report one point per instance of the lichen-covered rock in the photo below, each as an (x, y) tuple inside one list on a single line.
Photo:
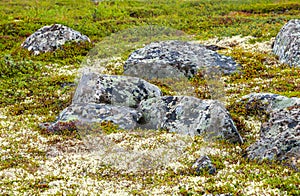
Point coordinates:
[(280, 133), (124, 117), (287, 43), (50, 38), (150, 71), (113, 89), (267, 102), (279, 136), (204, 164), (189, 115), (172, 57)]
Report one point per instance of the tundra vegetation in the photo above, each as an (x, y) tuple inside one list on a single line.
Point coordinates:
[(35, 89)]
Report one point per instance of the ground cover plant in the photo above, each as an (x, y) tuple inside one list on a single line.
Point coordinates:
[(35, 89)]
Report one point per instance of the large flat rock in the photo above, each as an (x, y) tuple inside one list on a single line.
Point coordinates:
[(174, 59)]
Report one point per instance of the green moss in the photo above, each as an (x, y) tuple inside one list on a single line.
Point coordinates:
[(35, 89)]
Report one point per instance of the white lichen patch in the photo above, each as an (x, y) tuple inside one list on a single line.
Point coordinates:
[(56, 69), (131, 152), (109, 65), (242, 42), (254, 126), (208, 150)]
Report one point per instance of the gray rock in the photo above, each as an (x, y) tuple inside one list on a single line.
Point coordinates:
[(279, 136), (280, 133), (267, 102), (204, 164), (189, 115), (287, 43), (124, 117), (50, 38), (115, 90), (184, 57), (150, 71)]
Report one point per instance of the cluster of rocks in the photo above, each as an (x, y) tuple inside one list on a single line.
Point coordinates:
[(131, 102), (50, 38), (287, 43)]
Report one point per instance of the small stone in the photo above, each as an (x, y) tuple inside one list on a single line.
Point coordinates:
[(204, 164)]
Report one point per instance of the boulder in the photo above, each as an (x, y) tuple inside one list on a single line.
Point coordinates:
[(280, 133), (124, 117), (151, 71), (263, 103), (287, 43), (100, 98), (189, 115), (175, 57), (279, 137), (50, 38), (204, 164), (114, 90)]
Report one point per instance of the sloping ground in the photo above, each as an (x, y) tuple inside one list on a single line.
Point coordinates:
[(36, 89)]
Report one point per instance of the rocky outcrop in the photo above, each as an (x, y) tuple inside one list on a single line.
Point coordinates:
[(114, 90), (175, 57), (189, 115), (280, 134), (287, 43), (50, 38)]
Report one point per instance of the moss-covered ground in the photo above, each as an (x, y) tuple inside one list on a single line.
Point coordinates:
[(34, 89)]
